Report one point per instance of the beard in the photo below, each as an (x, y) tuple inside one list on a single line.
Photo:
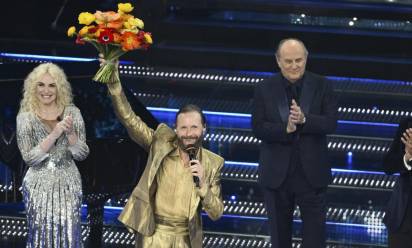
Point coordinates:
[(197, 141)]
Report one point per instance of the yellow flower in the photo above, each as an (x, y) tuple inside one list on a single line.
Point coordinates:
[(86, 18), (125, 7), (84, 30), (134, 30), (140, 23), (133, 23), (148, 38), (71, 31)]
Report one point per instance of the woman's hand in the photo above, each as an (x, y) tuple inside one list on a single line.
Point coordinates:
[(64, 126), (68, 120)]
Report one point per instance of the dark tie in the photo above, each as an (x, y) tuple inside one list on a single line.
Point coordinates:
[(294, 93)]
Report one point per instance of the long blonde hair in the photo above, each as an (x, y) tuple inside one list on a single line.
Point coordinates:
[(64, 97)]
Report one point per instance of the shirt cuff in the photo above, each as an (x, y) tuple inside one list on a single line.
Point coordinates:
[(408, 167)]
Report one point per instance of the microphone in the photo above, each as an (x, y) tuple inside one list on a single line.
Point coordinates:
[(192, 151)]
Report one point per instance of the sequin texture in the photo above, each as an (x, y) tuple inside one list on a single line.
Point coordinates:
[(52, 191)]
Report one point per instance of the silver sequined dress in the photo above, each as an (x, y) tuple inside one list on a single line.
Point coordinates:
[(52, 190)]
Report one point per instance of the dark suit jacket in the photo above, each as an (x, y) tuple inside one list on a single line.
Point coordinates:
[(393, 163), (269, 121)]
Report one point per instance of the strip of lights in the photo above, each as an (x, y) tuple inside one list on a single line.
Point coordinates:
[(366, 213), (128, 70), (31, 58), (374, 111), (36, 58), (257, 209), (337, 170), (335, 143), (248, 116), (118, 236), (374, 180), (199, 76)]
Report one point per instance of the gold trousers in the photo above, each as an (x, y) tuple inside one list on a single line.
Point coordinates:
[(169, 233)]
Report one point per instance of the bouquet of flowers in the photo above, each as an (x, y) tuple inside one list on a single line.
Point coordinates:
[(113, 34)]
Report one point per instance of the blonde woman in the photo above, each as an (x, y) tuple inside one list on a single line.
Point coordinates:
[(50, 134)]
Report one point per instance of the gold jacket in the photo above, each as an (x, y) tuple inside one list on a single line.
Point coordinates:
[(138, 214)]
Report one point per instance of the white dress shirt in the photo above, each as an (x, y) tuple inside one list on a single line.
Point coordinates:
[(408, 167)]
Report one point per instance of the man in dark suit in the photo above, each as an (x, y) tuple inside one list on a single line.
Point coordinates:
[(293, 112), (398, 218)]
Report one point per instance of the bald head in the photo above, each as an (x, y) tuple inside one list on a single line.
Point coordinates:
[(290, 43), (291, 57)]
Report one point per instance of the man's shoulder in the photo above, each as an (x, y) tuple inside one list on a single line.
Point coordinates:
[(405, 123), (314, 76), (213, 156), (277, 77), (163, 127), (270, 81), (405, 120), (319, 80), (164, 131)]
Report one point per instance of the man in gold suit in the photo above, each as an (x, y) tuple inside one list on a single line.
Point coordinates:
[(164, 208)]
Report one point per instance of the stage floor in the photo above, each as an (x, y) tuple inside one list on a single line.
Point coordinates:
[(229, 231)]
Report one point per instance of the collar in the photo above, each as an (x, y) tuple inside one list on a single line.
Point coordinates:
[(175, 151), (298, 83)]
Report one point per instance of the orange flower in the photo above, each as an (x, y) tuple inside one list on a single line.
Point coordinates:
[(117, 38), (130, 41), (115, 24), (112, 34), (106, 17)]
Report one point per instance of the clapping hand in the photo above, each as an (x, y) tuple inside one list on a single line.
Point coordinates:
[(296, 114), (407, 141), (296, 117), (63, 126)]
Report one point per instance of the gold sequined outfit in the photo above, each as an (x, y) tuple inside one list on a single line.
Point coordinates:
[(163, 210)]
